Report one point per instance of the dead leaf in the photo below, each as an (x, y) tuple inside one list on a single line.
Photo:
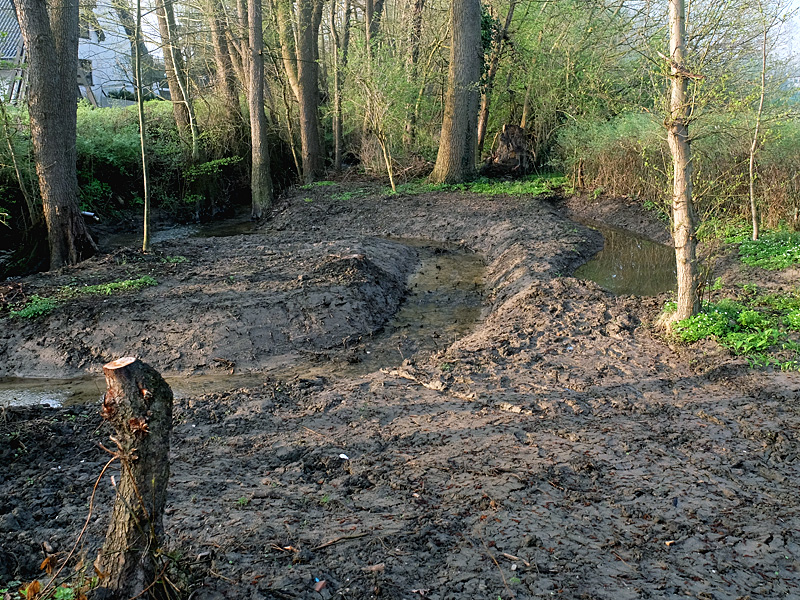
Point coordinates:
[(379, 568), (48, 564), (139, 425), (320, 585), (32, 589)]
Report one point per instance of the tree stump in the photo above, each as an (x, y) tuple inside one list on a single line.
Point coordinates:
[(513, 154), (138, 404)]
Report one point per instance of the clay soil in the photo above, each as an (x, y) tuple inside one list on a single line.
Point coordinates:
[(560, 448)]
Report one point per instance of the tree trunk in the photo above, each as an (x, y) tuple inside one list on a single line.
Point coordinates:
[(683, 217), (340, 49), (298, 47), (414, 41), (494, 63), (754, 146), (138, 404), (226, 79), (166, 24), (260, 178), (142, 131), (456, 158), (177, 80), (52, 43)]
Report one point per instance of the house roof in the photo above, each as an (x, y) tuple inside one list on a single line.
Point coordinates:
[(10, 34)]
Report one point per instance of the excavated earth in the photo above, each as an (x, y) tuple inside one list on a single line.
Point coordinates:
[(559, 447)]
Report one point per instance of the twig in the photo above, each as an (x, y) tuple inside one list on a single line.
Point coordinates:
[(340, 539), (512, 557), (215, 574)]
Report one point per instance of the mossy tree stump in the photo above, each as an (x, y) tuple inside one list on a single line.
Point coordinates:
[(138, 404)]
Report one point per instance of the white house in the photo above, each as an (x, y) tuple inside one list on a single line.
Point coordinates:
[(105, 69)]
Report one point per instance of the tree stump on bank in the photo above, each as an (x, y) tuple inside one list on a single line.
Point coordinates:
[(138, 404), (513, 154)]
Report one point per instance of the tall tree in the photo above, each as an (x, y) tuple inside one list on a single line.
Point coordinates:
[(260, 178), (341, 44), (298, 30), (177, 81), (50, 33), (683, 214), (458, 143)]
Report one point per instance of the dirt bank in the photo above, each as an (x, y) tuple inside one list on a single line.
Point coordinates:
[(559, 449)]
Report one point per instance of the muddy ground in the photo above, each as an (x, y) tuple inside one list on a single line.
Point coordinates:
[(560, 448)]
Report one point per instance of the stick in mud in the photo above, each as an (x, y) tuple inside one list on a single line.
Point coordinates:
[(138, 404)]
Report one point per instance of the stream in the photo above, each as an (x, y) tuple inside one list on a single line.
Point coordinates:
[(630, 264), (443, 302)]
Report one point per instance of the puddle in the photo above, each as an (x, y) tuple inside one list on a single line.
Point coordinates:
[(630, 264), (444, 303)]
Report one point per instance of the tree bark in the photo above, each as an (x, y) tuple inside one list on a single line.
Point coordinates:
[(414, 41), (166, 24), (494, 63), (51, 39), (226, 78), (456, 158), (340, 48), (298, 47), (260, 178), (683, 217), (138, 404), (754, 146)]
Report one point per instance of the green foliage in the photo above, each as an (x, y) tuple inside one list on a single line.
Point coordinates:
[(532, 185), (211, 168), (772, 251), (760, 327), (37, 306), (315, 184)]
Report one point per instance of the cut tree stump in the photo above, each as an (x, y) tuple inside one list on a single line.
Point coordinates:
[(138, 404)]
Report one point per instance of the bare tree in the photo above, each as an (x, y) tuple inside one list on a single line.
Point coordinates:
[(50, 33), (457, 146), (298, 30), (260, 178), (683, 214)]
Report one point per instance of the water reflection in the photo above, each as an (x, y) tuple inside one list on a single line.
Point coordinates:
[(630, 263)]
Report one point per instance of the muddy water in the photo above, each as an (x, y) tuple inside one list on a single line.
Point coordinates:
[(630, 263), (443, 303), (239, 225)]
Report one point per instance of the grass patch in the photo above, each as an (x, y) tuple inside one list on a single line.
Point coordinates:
[(37, 306), (773, 251), (762, 327), (315, 184), (533, 185)]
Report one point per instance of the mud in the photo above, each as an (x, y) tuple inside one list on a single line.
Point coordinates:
[(558, 449)]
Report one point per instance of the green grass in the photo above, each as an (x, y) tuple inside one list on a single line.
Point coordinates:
[(533, 185), (314, 184), (37, 306), (761, 327), (773, 251)]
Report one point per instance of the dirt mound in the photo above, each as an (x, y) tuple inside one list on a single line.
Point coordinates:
[(559, 449)]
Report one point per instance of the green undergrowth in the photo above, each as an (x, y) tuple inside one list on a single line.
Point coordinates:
[(37, 306), (533, 185), (763, 327), (772, 251)]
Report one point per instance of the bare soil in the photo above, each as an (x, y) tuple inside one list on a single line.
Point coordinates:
[(561, 448)]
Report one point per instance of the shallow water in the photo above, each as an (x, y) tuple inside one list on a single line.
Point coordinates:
[(630, 264), (443, 303)]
